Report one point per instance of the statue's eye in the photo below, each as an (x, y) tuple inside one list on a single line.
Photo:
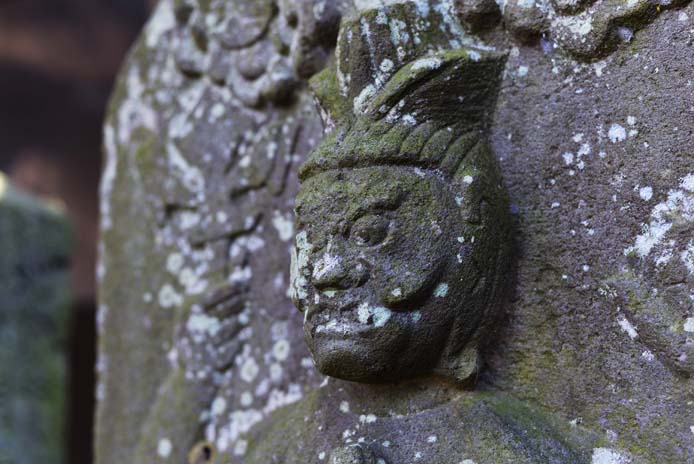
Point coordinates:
[(369, 230)]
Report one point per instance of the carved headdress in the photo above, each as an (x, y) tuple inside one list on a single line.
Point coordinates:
[(398, 99)]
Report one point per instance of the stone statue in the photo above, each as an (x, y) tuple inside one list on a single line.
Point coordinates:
[(403, 252), (404, 234), (403, 244)]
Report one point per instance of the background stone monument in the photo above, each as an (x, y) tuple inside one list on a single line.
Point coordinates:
[(36, 242), (202, 353)]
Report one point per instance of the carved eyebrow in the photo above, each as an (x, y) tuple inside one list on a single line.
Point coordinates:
[(389, 200)]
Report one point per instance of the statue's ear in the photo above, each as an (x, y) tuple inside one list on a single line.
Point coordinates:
[(334, 108), (448, 87), (461, 367)]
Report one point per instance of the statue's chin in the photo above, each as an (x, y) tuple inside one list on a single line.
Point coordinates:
[(347, 360), (356, 360)]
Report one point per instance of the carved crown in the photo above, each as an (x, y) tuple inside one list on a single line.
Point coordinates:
[(393, 102)]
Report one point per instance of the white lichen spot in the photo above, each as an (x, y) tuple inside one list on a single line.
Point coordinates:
[(689, 325), (441, 290), (432, 439), (246, 399), (580, 25), (284, 226), (688, 183), (191, 176), (108, 177), (467, 180), (276, 372), (409, 119), (361, 101), (678, 208), (608, 456), (386, 66), (249, 370), (431, 62), (683, 17), (617, 133), (217, 112), (599, 68), (281, 350), (189, 219), (647, 355), (367, 314), (627, 327), (168, 297), (318, 10), (344, 407), (381, 316), (364, 313), (321, 455), (162, 21), (174, 262), (646, 193), (474, 55), (240, 447), (201, 326), (326, 264), (522, 71), (299, 270), (164, 448), (397, 292), (367, 418), (219, 405), (568, 158)]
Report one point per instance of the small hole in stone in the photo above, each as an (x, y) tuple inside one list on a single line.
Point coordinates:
[(202, 453)]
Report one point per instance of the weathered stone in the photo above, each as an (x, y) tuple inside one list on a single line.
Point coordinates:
[(35, 244), (592, 358)]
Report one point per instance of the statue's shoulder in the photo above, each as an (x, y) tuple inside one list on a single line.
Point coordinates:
[(475, 427)]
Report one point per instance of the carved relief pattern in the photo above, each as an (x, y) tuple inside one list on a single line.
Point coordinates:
[(210, 154), (587, 29)]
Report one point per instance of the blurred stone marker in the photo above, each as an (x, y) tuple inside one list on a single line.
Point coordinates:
[(35, 242)]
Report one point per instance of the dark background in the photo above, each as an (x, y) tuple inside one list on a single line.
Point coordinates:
[(58, 61)]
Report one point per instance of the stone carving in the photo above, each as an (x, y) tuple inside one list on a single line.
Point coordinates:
[(586, 29), (215, 171), (201, 347), (403, 249), (403, 242), (261, 50)]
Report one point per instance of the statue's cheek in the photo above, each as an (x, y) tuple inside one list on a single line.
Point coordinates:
[(405, 288)]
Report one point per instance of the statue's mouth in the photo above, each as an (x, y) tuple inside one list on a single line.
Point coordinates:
[(345, 314)]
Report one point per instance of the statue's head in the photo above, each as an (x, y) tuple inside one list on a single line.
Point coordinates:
[(402, 241)]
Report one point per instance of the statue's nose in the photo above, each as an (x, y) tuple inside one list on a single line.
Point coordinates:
[(335, 269)]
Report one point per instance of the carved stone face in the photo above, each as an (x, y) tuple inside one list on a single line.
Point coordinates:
[(373, 270)]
